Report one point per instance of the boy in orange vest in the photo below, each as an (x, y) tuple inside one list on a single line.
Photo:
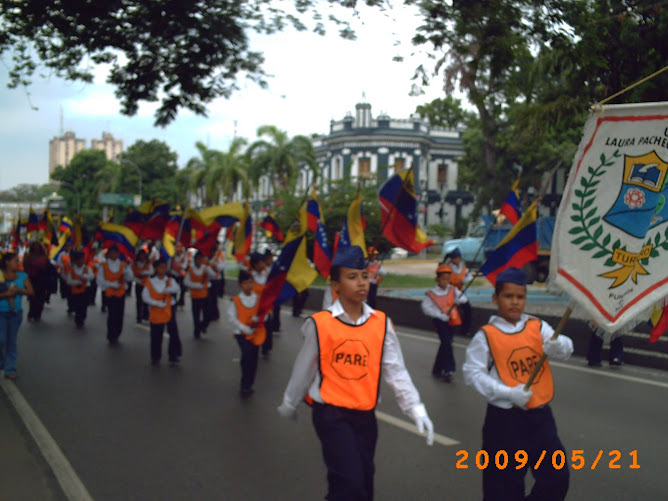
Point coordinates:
[(78, 277), (142, 269), (499, 360), (440, 305), (112, 277), (198, 279), (376, 272), (347, 349), (247, 331), (158, 294), (460, 277)]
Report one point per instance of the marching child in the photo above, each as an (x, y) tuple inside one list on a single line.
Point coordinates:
[(347, 349), (112, 277), (376, 273), (460, 277), (142, 269), (79, 275), (248, 332), (499, 360), (157, 294), (197, 279), (440, 304), (260, 273)]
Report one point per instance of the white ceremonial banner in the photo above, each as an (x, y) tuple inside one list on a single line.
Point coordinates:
[(610, 244)]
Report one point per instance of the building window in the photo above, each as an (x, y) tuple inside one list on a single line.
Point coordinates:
[(364, 167), (399, 164), (442, 175)]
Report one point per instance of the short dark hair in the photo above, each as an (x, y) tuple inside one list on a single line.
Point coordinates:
[(335, 273), (160, 260), (244, 275), (498, 287)]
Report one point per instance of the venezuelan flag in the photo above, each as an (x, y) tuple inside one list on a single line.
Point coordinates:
[(398, 208), (124, 238), (659, 321), (55, 250), (519, 247), (33, 223), (16, 234), (352, 231), (65, 225), (291, 273), (148, 220), (225, 215), (243, 238), (270, 224), (511, 205)]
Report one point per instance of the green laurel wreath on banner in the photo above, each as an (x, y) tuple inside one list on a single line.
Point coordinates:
[(587, 235), (590, 236)]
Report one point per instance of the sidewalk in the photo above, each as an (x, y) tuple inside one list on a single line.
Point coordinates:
[(24, 474)]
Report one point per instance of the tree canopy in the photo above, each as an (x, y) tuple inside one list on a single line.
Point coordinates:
[(182, 54)]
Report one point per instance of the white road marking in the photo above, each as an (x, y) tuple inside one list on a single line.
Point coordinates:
[(69, 481), (410, 427), (598, 372)]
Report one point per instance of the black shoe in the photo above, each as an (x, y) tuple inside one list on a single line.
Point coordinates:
[(616, 361), (246, 392), (155, 363), (175, 362), (594, 364), (447, 376), (266, 355)]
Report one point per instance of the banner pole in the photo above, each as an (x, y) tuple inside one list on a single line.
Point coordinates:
[(541, 361)]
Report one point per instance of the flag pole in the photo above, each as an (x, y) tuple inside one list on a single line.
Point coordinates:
[(178, 235), (543, 357)]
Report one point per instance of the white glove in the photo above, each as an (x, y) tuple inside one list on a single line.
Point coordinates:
[(75, 282), (162, 304), (422, 421), (254, 319), (552, 348), (518, 396), (246, 330), (115, 285), (287, 411)]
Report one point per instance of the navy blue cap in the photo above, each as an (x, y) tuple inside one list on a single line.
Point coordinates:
[(513, 276), (350, 257), (455, 253)]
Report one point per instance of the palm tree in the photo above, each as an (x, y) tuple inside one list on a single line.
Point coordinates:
[(215, 175), (279, 157)]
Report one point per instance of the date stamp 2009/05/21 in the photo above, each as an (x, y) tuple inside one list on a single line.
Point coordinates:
[(519, 459)]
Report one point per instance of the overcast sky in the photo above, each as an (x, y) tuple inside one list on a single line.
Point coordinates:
[(315, 79)]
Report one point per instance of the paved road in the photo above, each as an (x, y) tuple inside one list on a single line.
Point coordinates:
[(133, 432)]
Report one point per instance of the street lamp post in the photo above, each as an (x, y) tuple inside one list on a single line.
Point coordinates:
[(138, 173)]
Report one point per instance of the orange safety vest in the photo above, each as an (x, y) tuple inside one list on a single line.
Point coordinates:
[(202, 279), (349, 359), (245, 316), (156, 314), (444, 303), (258, 288), (515, 356), (78, 289), (114, 277), (457, 279), (372, 270), (137, 270)]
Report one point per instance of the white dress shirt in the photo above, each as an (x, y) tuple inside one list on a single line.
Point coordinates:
[(486, 381), (260, 277), (431, 309), (160, 286), (249, 301), (306, 377), (114, 266)]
